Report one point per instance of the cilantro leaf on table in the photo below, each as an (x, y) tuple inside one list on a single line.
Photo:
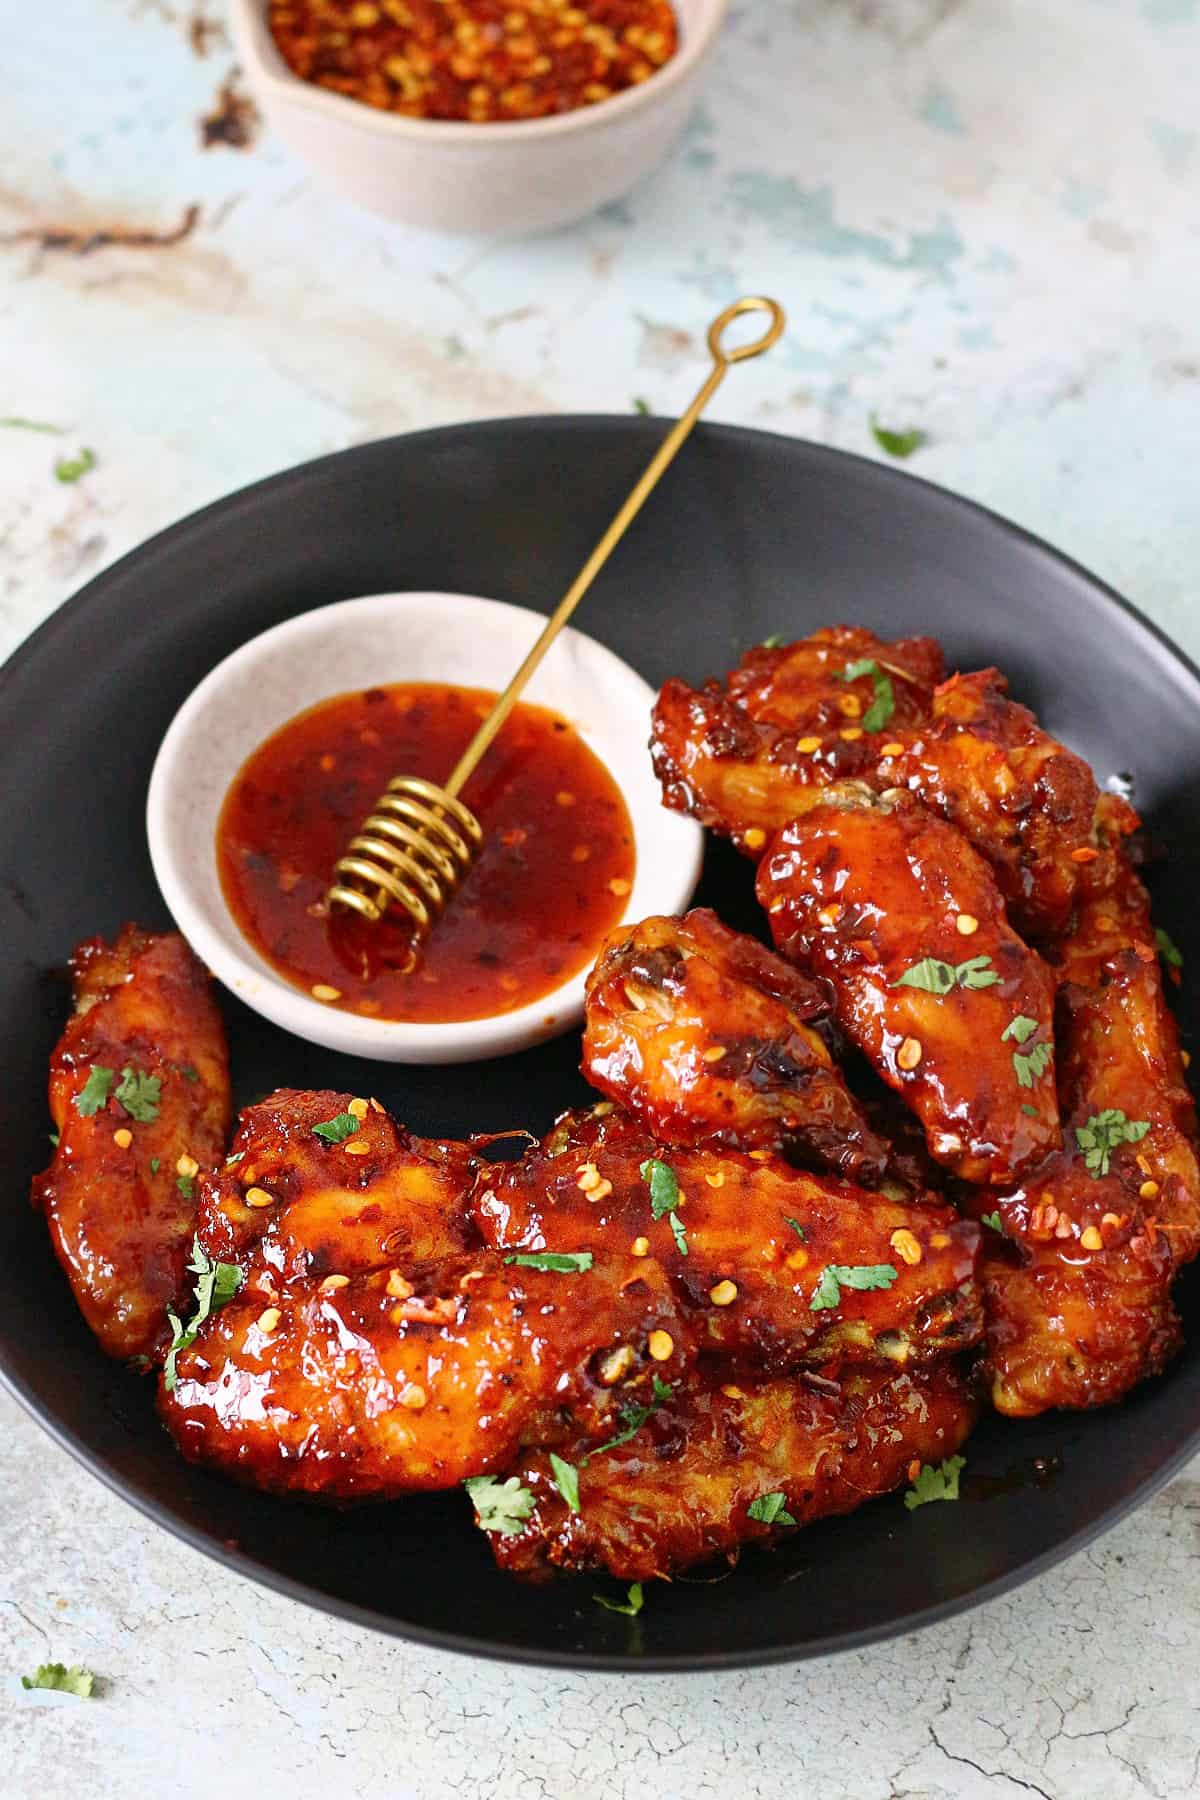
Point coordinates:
[(900, 444), (73, 468), (61, 1680)]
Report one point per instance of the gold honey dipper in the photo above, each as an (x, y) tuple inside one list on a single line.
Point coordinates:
[(420, 840)]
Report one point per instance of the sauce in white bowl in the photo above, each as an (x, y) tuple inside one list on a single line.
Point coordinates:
[(373, 644)]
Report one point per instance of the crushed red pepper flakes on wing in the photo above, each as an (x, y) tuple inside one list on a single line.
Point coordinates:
[(479, 60)]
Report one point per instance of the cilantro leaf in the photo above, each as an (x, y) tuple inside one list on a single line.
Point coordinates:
[(640, 405), (13, 423), (57, 1676), (884, 703), (1102, 1134), (797, 1227), (500, 1506), (663, 1183), (936, 1482), (678, 1233), (566, 1480), (1031, 1110), (235, 1158), (336, 1131), (139, 1094), (770, 1509), (155, 1164), (932, 976), (771, 643), (633, 1417), (93, 1095), (566, 1262), (189, 1073), (632, 1605), (1028, 1068), (55, 1139), (216, 1282), (992, 1220), (71, 468), (897, 443), (836, 1276), (1020, 1029), (186, 1185), (1168, 949)]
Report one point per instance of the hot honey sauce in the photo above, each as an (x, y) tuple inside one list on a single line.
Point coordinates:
[(552, 877)]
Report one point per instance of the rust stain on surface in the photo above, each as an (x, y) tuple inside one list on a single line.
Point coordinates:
[(234, 120), (85, 241)]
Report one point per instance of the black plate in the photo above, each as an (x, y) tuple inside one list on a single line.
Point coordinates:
[(750, 534)]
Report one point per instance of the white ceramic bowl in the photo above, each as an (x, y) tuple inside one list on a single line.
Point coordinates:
[(366, 643), (502, 180)]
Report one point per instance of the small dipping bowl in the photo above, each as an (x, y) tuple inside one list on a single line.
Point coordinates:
[(455, 638)]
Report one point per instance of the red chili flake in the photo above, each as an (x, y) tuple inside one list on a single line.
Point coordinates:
[(481, 60)]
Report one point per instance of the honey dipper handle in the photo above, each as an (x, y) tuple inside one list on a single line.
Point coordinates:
[(661, 460)]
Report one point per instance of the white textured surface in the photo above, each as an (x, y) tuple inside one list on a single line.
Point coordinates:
[(982, 216)]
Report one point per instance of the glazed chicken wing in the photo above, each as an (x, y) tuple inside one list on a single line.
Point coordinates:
[(748, 757), (680, 1489), (347, 1365), (139, 1095), (930, 981), (1078, 1298), (702, 1035), (752, 1248)]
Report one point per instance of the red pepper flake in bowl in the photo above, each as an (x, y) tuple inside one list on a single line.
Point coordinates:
[(480, 60)]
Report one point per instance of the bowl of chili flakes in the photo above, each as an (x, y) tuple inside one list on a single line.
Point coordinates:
[(497, 117)]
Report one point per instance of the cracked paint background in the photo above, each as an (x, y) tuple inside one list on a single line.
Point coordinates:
[(982, 217)]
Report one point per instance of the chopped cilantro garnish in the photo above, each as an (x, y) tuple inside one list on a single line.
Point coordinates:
[(665, 1196), (633, 1417), (189, 1073), (771, 643), (554, 1262), (139, 1094), (93, 1095), (992, 1220), (235, 1158), (216, 1282), (797, 1227), (1168, 949), (770, 1509), (933, 976), (500, 1506), (640, 405), (1031, 1110), (336, 1131), (71, 468), (936, 1482), (1027, 1066), (1020, 1029), (61, 1680), (566, 1480), (1102, 1134), (186, 1185), (862, 1278), (55, 1139), (14, 423), (155, 1164), (884, 704), (632, 1605), (897, 443)]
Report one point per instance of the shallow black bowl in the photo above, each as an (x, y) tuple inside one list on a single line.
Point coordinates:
[(750, 534)]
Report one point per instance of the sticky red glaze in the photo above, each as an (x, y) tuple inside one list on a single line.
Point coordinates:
[(531, 912)]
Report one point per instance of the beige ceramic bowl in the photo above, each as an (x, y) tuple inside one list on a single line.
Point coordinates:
[(499, 180)]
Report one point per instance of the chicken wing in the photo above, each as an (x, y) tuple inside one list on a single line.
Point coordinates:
[(680, 1489), (770, 1266), (748, 757), (139, 1094), (905, 920), (1078, 1301), (703, 1036)]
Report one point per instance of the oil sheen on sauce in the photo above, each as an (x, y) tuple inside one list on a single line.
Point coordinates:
[(551, 879)]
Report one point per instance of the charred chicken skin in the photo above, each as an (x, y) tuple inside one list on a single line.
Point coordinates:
[(139, 1095), (679, 1491), (906, 923), (704, 1036)]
